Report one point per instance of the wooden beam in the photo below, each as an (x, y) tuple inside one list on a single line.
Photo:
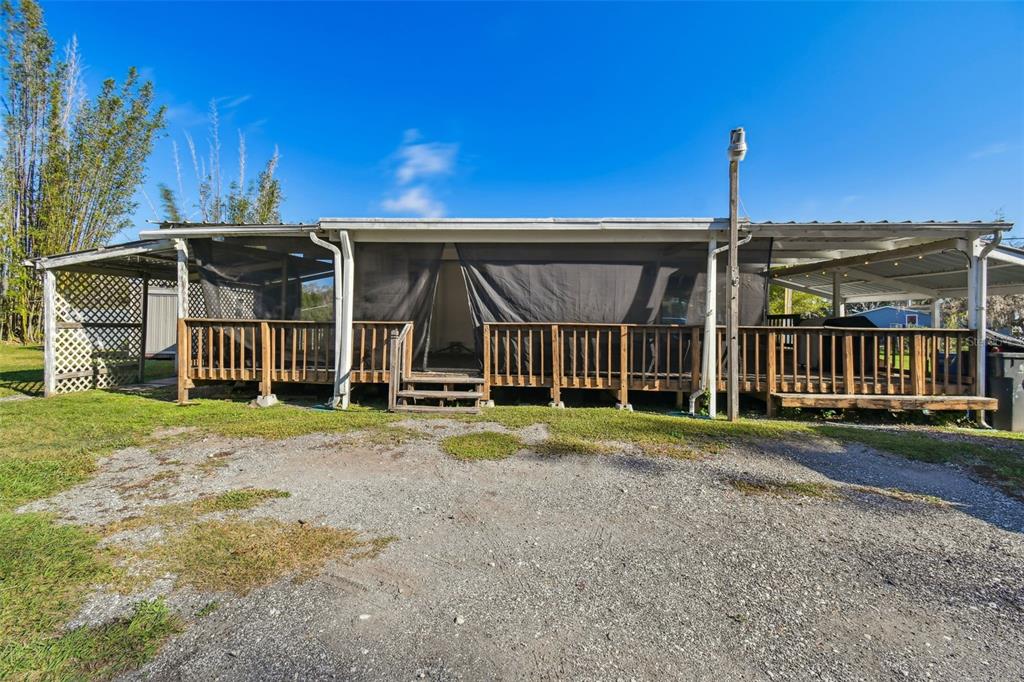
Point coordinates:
[(898, 283), (894, 402), (867, 259)]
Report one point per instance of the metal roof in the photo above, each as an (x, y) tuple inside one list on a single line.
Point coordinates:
[(895, 276)]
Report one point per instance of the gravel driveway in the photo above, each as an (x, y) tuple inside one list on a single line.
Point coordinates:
[(600, 567)]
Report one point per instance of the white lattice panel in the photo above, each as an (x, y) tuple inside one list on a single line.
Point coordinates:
[(99, 331)]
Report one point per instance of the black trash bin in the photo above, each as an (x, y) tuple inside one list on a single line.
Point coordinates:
[(1005, 383)]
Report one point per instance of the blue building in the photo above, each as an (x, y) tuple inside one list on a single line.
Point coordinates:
[(890, 316)]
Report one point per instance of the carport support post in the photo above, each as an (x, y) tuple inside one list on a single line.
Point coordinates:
[(710, 359), (838, 307), (733, 318), (937, 313), (978, 302), (49, 332), (182, 351)]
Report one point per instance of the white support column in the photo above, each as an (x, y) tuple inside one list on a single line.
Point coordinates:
[(49, 332), (709, 370), (182, 248), (345, 346), (981, 315), (937, 313), (342, 298), (838, 305)]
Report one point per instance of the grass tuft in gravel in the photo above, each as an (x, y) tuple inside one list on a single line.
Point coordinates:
[(239, 556), (94, 653), (751, 486), (827, 491), (232, 500), (483, 445), (569, 445)]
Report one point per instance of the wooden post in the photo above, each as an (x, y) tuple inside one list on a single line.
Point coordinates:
[(787, 301), (487, 362), (770, 372), (849, 376), (917, 365), (733, 303), (142, 335), (266, 360), (556, 368), (838, 309), (623, 366), (49, 332), (184, 356)]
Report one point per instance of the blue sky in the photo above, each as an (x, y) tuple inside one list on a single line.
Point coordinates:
[(852, 111)]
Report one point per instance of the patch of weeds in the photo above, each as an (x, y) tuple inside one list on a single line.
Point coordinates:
[(239, 556), (1001, 466), (157, 478), (827, 491), (167, 514), (751, 486), (208, 609), (899, 495), (95, 653), (482, 445), (569, 445), (214, 461)]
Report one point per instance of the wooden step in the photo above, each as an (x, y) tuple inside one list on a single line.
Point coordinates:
[(437, 409), (442, 378), (886, 402), (441, 395)]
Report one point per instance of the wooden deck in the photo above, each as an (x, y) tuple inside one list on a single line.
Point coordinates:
[(792, 366)]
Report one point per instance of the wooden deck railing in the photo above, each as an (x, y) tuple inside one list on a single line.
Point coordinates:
[(914, 362), (293, 351), (615, 357)]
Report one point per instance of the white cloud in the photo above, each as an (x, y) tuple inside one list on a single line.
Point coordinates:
[(421, 160), (418, 201), (422, 163), (991, 150)]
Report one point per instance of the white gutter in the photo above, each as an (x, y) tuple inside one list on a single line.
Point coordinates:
[(229, 231), (340, 376)]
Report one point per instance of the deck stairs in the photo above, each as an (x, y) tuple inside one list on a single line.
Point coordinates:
[(440, 392)]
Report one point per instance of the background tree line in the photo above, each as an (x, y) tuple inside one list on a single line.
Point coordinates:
[(70, 164)]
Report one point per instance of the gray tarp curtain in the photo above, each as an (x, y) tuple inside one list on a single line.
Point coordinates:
[(396, 283), (608, 283)]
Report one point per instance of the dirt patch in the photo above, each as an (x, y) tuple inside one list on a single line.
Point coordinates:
[(625, 564)]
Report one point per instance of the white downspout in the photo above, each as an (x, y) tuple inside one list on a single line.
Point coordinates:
[(343, 278)]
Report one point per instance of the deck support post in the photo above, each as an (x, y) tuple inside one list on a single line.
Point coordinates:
[(623, 403), (49, 332), (556, 368)]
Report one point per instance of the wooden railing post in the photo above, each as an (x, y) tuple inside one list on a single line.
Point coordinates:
[(917, 365), (487, 362), (623, 366), (770, 369), (266, 361), (849, 376), (184, 360), (393, 378), (556, 368)]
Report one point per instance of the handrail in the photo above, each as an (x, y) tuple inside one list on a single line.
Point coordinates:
[(400, 362)]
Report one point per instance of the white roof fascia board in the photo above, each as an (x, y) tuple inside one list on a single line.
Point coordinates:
[(229, 231), (99, 254)]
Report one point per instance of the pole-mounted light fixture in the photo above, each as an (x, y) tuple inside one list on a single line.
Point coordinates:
[(737, 144)]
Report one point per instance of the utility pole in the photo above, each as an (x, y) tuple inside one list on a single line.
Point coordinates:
[(737, 150)]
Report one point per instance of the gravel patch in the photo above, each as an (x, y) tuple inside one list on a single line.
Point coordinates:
[(606, 566)]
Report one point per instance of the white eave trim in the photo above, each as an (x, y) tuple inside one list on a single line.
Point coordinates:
[(99, 254)]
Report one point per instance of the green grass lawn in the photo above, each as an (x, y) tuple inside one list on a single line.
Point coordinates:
[(49, 445), (21, 370)]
